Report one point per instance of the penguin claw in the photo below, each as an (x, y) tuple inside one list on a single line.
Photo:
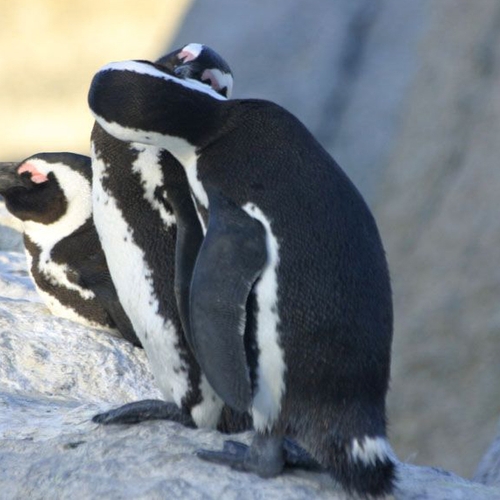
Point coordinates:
[(141, 411), (238, 456), (263, 457), (235, 447), (232, 454)]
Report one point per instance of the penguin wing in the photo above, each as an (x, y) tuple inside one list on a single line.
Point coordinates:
[(94, 275), (115, 310), (188, 242), (231, 259)]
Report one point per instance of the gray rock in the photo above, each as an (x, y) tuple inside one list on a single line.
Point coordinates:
[(56, 374), (11, 233), (438, 213), (488, 470), (56, 450)]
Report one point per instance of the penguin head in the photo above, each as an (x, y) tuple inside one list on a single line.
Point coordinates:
[(199, 62), (140, 101), (42, 187), (130, 99)]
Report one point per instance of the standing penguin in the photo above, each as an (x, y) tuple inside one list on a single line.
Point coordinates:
[(134, 187), (51, 194), (290, 308)]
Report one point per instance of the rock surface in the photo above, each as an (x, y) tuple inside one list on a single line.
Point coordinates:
[(488, 470), (56, 374)]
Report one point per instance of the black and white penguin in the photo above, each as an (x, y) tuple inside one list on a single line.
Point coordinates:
[(290, 307), (51, 194), (134, 186)]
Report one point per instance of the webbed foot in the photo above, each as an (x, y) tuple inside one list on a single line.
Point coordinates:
[(253, 458), (140, 411), (263, 457)]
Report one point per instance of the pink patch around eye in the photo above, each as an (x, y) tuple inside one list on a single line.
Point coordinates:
[(186, 56), (36, 176), (208, 75)]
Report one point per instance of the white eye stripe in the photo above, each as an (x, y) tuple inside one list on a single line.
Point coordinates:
[(77, 191), (148, 69), (194, 49)]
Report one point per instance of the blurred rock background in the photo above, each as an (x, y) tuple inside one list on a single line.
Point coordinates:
[(405, 95)]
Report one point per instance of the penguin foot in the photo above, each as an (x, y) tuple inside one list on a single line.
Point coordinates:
[(140, 411), (263, 457), (298, 458), (235, 453)]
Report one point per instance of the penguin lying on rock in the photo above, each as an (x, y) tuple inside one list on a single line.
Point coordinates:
[(289, 311), (51, 194)]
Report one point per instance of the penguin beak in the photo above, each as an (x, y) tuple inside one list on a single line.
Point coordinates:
[(9, 178)]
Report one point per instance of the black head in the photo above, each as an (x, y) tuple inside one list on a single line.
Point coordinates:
[(130, 99), (41, 187), (139, 101), (199, 62)]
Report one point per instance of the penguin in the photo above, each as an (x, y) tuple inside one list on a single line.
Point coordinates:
[(290, 304), (51, 194), (134, 186)]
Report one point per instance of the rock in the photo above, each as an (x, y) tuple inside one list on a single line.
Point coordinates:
[(11, 233), (431, 483), (54, 445), (46, 355), (438, 214), (488, 470), (56, 374)]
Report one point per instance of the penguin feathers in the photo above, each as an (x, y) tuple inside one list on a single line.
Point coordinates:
[(317, 317), (51, 194), (145, 214)]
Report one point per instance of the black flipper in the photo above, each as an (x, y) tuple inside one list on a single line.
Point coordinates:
[(189, 236), (107, 295), (231, 259), (140, 411), (93, 274)]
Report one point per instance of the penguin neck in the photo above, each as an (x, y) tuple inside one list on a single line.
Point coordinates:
[(46, 236)]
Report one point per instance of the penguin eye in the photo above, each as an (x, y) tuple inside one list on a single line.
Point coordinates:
[(34, 174)]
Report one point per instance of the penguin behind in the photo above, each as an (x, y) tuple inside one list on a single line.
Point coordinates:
[(290, 307), (134, 186), (51, 194)]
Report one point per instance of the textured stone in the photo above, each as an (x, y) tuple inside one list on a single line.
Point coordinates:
[(56, 374), (488, 470), (438, 211)]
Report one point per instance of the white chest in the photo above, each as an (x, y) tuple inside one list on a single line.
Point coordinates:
[(133, 279)]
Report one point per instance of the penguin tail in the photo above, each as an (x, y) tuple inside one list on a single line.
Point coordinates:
[(365, 466)]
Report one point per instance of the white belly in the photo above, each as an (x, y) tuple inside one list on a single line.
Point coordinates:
[(132, 277), (133, 281)]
